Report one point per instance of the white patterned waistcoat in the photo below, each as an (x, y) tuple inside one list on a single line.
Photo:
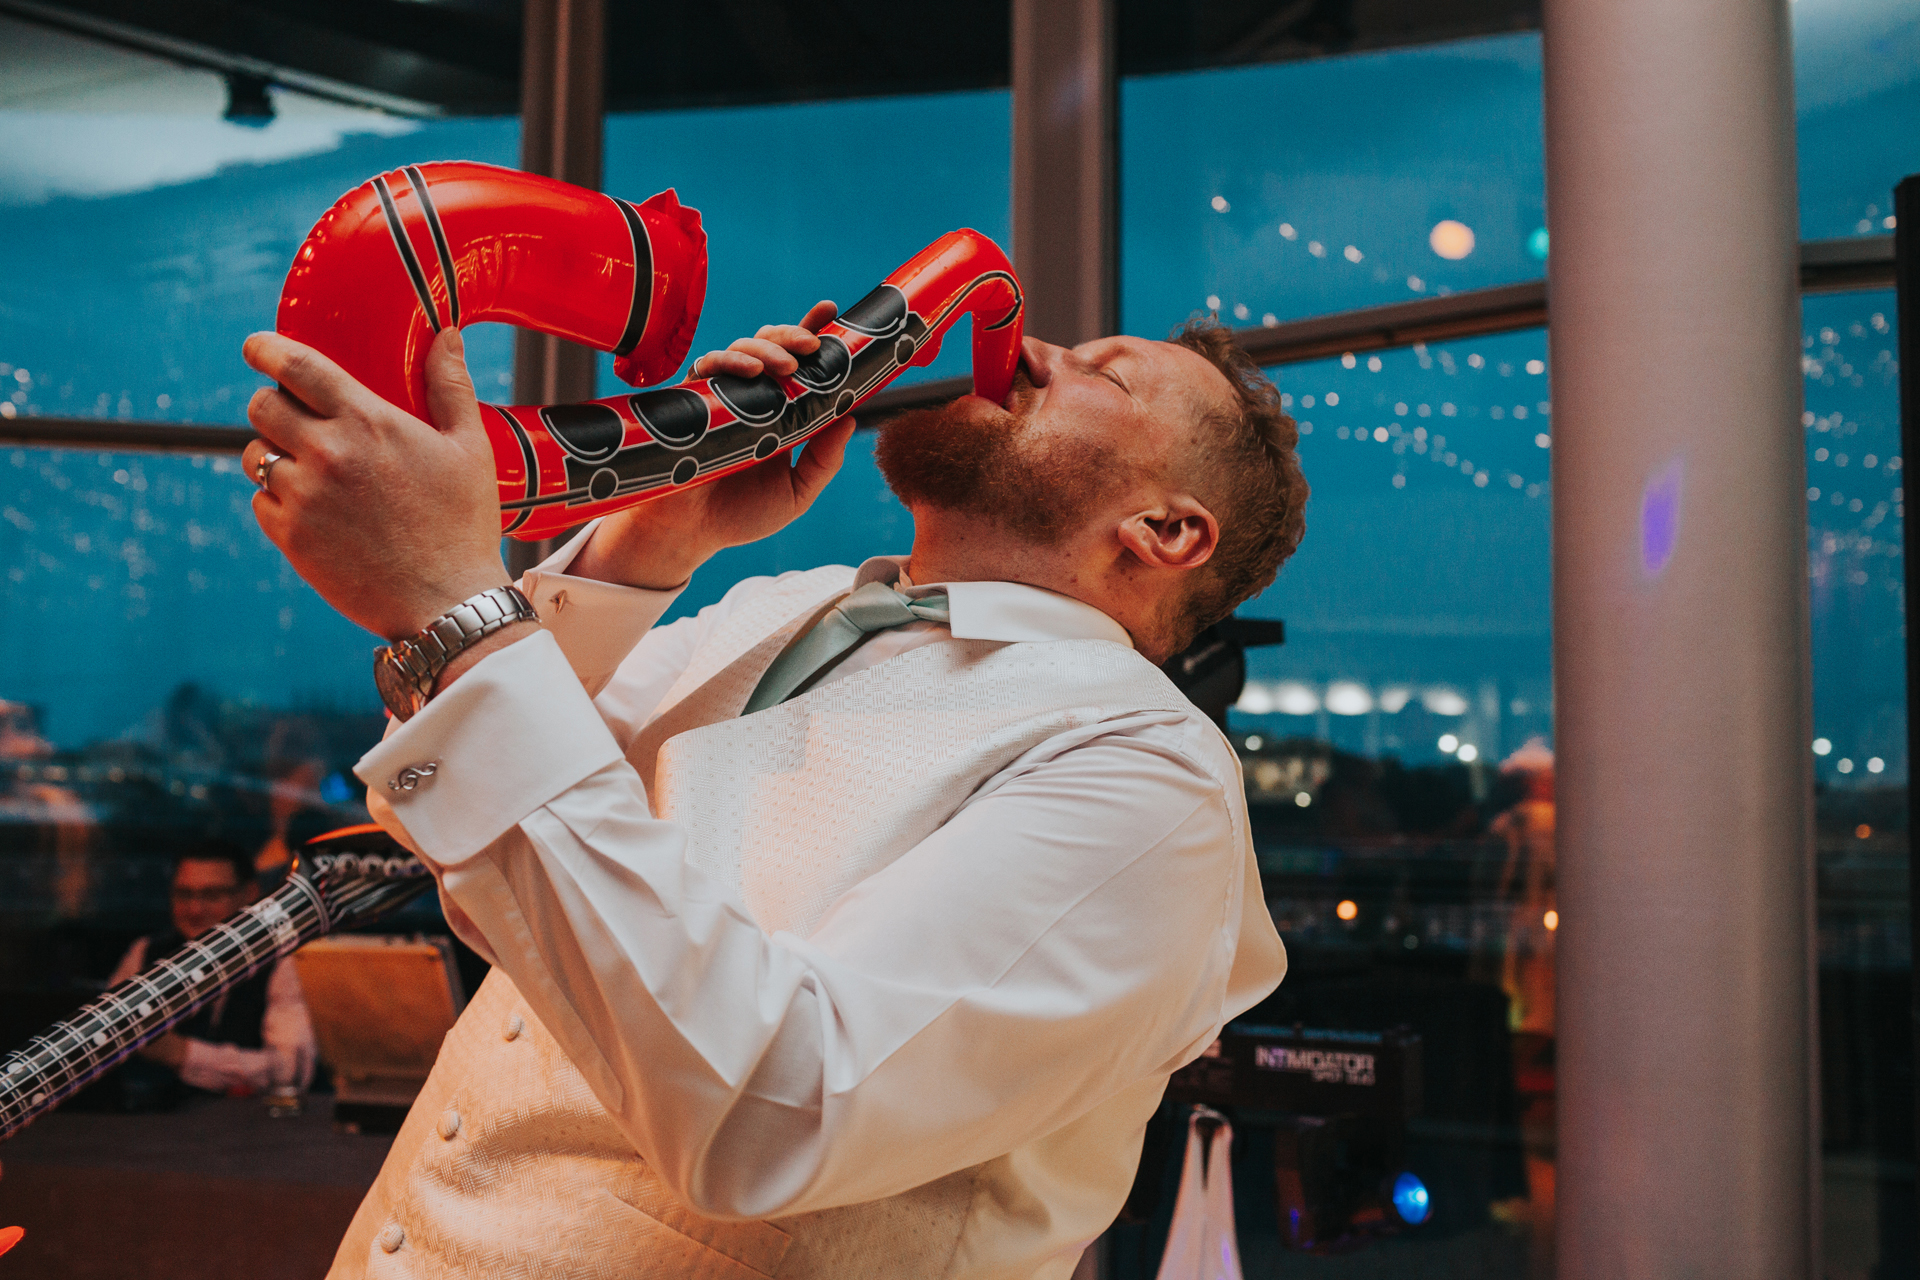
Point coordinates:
[(794, 806)]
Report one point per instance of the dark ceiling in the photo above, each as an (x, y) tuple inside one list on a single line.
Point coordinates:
[(461, 57)]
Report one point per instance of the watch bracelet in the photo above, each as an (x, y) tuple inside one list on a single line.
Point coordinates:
[(457, 629)]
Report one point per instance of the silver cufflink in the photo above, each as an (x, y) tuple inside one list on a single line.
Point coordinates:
[(412, 776)]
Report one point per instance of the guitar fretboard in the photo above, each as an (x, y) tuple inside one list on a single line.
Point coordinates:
[(70, 1054)]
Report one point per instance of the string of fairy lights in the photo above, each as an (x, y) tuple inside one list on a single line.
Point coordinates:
[(1412, 429), (1855, 492)]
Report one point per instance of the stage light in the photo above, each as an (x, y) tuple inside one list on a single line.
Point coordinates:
[(1862, 831), (1822, 746), (1468, 753), (1348, 909), (1449, 743), (1302, 799), (1410, 1199), (1551, 920)]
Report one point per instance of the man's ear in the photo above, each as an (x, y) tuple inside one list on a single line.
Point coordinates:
[(1179, 535)]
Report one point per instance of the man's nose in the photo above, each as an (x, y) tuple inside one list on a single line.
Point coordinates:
[(1042, 359)]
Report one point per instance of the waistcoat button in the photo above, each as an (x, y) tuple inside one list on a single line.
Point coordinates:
[(514, 1027), (449, 1123), (392, 1238)]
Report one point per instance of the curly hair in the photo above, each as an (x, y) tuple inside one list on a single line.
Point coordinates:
[(1247, 471)]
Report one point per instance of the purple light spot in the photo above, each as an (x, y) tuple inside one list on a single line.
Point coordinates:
[(1660, 519)]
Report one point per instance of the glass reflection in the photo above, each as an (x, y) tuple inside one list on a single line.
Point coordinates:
[(146, 236), (1856, 575), (1326, 191), (820, 219)]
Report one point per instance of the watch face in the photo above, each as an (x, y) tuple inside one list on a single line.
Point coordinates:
[(396, 685)]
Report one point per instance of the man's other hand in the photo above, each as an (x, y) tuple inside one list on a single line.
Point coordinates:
[(391, 519), (659, 544)]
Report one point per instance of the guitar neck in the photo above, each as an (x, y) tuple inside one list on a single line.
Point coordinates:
[(70, 1054)]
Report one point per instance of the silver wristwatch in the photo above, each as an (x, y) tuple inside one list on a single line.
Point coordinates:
[(405, 670)]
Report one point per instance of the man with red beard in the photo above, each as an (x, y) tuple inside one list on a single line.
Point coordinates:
[(853, 926)]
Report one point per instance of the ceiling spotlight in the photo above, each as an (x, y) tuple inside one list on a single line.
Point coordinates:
[(248, 102)]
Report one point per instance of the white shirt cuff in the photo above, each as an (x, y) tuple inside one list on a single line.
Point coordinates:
[(596, 623), (508, 736)]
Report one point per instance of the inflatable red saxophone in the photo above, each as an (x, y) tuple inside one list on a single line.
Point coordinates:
[(431, 245)]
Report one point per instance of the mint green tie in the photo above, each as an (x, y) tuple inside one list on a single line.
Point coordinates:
[(874, 607)]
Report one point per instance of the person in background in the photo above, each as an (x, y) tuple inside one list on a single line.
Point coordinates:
[(1526, 885), (36, 800), (1527, 975), (258, 1034)]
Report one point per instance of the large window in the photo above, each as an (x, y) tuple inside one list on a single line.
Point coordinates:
[(147, 237), (1856, 480), (1857, 89), (1857, 93)]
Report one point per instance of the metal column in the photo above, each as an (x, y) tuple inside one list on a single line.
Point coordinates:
[(562, 118), (1680, 644), (1066, 168)]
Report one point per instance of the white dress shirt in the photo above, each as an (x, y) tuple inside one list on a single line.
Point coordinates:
[(1081, 927)]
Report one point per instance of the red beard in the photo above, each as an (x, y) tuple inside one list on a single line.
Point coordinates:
[(992, 463)]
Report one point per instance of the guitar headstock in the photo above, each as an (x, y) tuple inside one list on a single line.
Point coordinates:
[(360, 872), (363, 850)]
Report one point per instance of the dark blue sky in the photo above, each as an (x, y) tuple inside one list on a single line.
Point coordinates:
[(129, 574)]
